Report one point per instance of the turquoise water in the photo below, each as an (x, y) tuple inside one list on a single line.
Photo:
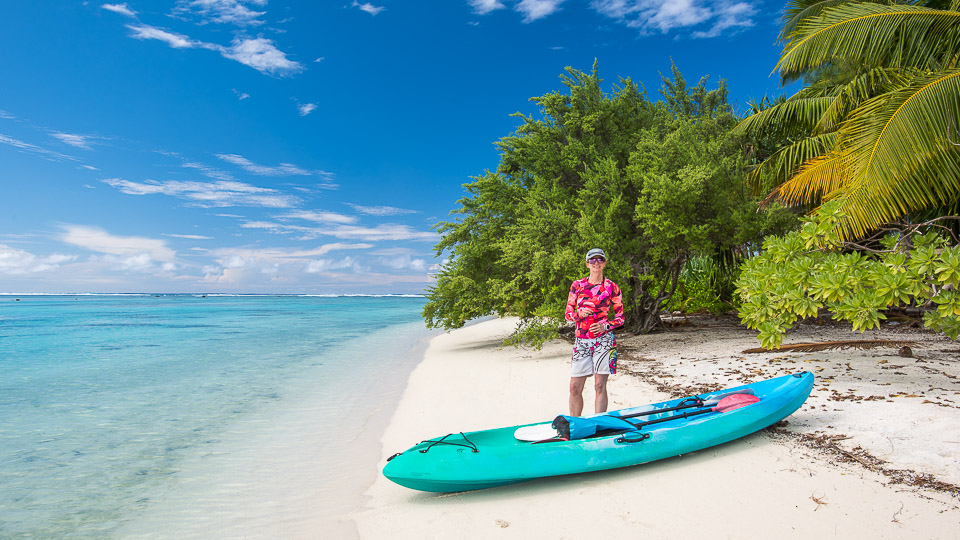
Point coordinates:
[(135, 415)]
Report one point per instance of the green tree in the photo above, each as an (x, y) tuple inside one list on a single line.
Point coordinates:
[(652, 183), (873, 126)]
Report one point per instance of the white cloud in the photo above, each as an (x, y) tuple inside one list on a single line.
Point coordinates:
[(306, 108), (284, 169), (34, 149), (238, 255), (325, 265), (737, 15), (208, 194), (533, 10), (222, 11), (271, 226), (258, 53), (679, 13), (617, 9), (177, 41), (190, 236), (17, 261), (404, 262), (320, 217), (129, 251), (383, 232), (261, 55), (241, 95), (79, 141), (367, 7), (663, 16), (120, 8), (482, 7), (208, 171), (138, 262), (243, 265), (439, 266), (381, 210)]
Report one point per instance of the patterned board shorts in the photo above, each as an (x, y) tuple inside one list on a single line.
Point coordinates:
[(594, 356)]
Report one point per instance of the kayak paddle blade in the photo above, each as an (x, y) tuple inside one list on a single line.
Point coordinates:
[(735, 401)]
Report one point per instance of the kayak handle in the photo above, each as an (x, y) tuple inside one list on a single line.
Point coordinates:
[(624, 439)]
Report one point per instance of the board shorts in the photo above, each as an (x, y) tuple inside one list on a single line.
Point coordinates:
[(594, 356)]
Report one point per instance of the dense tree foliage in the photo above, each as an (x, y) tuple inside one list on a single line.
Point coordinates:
[(652, 183), (873, 126), (873, 138)]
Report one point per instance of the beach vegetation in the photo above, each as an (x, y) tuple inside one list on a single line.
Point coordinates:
[(870, 145), (654, 183), (707, 285), (811, 271), (876, 124)]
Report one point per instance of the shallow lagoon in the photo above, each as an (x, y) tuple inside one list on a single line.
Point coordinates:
[(188, 415)]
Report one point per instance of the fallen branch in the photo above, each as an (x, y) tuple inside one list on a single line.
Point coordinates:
[(827, 345)]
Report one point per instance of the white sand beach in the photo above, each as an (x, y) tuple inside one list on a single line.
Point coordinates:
[(872, 454)]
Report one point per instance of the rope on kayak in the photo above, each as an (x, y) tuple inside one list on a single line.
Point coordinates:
[(443, 440)]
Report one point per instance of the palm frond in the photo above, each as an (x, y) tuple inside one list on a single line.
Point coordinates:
[(865, 86), (899, 143), (818, 178), (798, 11), (875, 35), (801, 113), (783, 163)]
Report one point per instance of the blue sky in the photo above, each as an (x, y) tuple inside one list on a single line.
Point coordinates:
[(268, 146)]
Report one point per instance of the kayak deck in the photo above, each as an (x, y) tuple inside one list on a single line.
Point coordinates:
[(494, 457)]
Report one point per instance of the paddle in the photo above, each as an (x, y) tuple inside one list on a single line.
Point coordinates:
[(540, 432), (573, 427), (695, 402)]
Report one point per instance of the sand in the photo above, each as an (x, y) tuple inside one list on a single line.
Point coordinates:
[(872, 454)]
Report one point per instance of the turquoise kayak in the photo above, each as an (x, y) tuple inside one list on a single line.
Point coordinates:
[(496, 457)]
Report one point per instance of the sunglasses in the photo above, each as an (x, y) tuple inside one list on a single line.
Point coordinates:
[(597, 260)]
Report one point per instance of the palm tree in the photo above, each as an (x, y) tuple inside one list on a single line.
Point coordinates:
[(878, 118)]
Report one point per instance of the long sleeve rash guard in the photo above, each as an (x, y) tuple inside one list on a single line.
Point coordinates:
[(588, 303)]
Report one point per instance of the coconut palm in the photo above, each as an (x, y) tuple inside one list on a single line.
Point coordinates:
[(877, 116)]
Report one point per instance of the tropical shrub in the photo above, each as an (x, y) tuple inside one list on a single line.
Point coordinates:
[(804, 272)]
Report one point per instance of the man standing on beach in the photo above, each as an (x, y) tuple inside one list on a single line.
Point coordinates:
[(594, 350)]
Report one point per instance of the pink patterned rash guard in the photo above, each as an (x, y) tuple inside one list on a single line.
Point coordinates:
[(588, 303)]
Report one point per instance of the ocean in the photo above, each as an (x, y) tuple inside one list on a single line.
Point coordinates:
[(191, 416)]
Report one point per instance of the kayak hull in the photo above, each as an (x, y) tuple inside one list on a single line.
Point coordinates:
[(490, 458)]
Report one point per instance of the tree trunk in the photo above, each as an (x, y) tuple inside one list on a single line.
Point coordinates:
[(647, 306)]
